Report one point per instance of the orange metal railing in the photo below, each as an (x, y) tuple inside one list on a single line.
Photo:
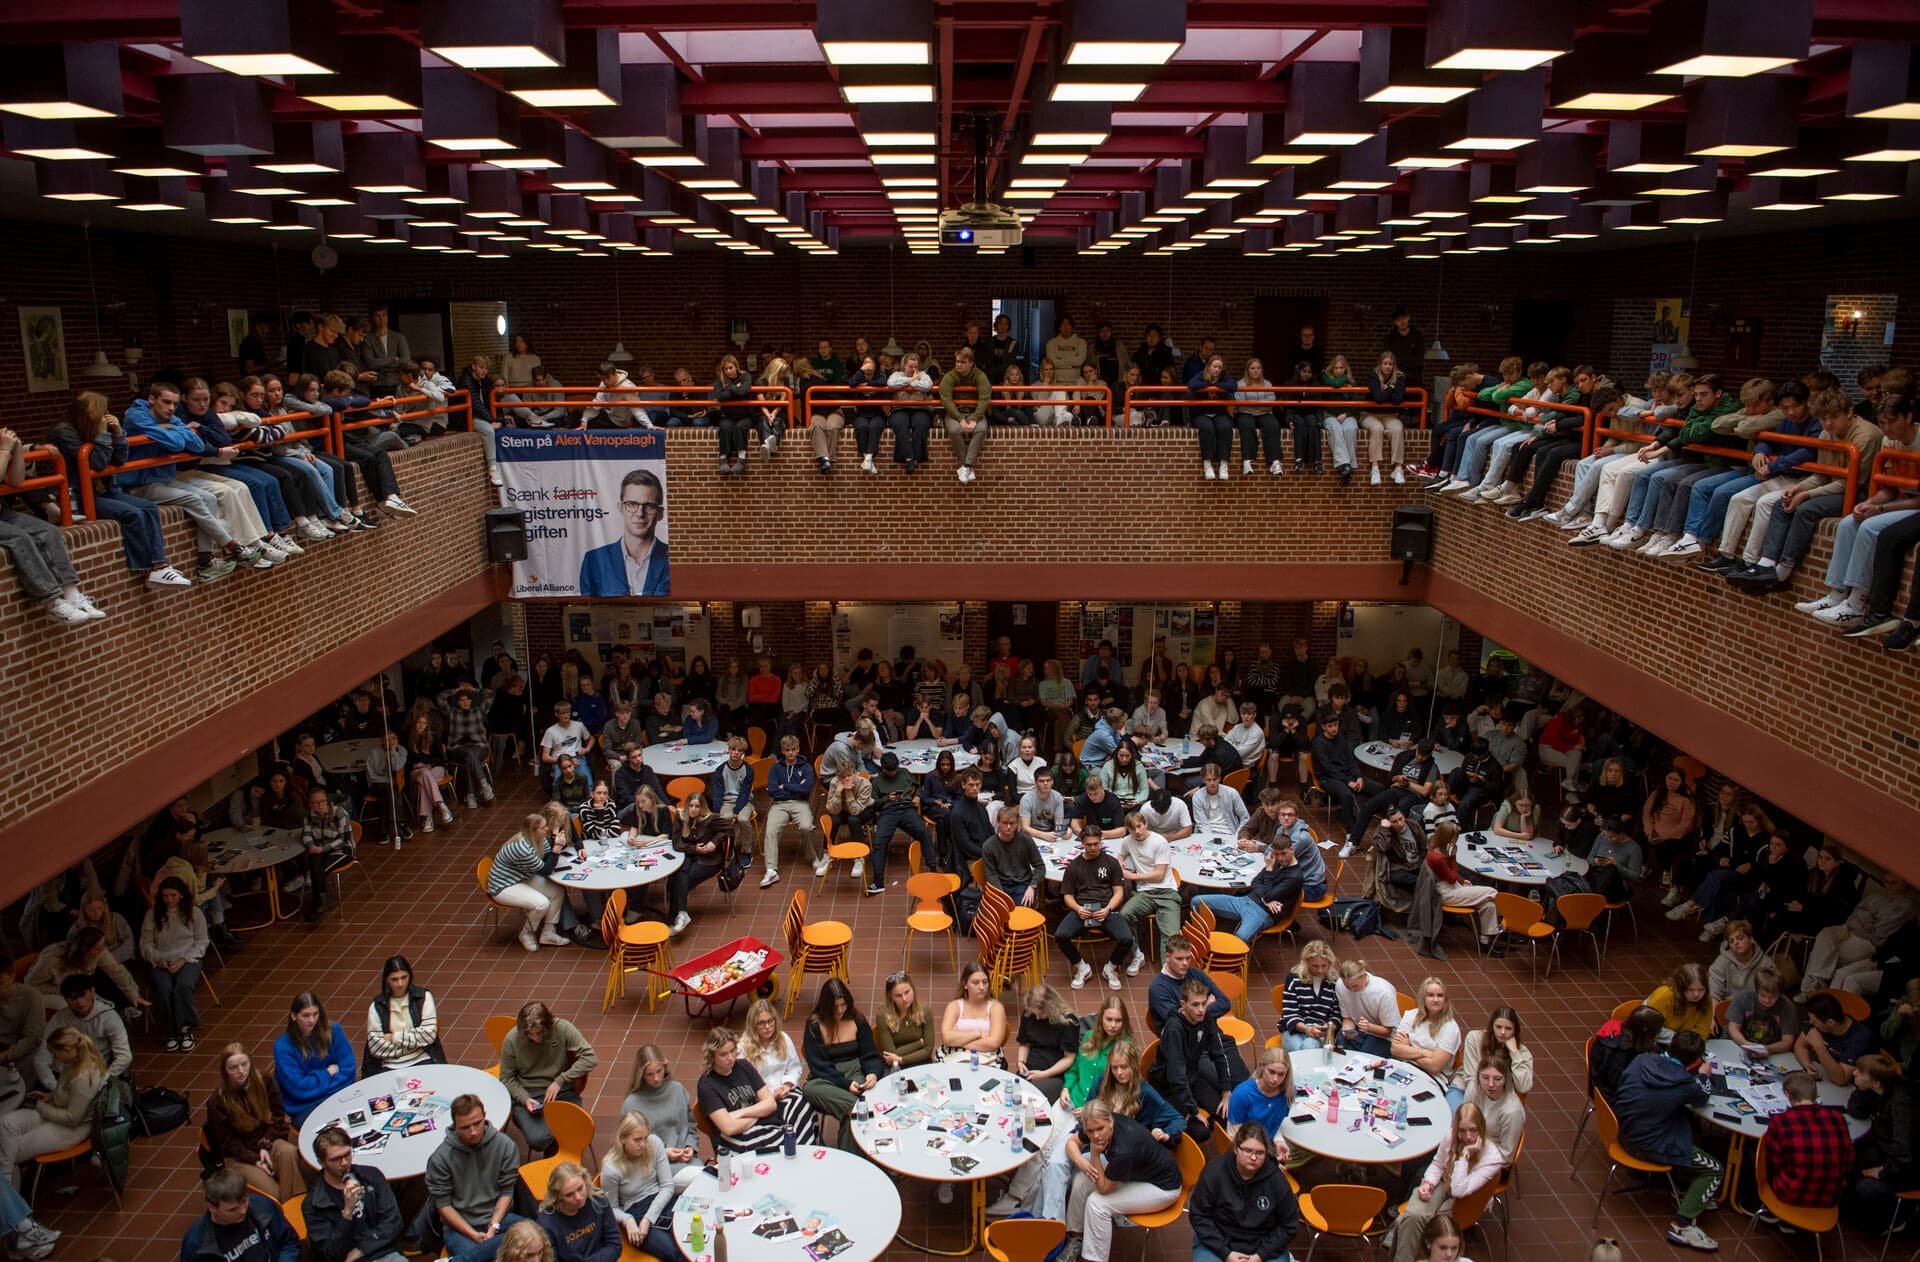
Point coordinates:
[(1585, 415), (400, 407), (323, 431), (55, 481), (582, 398), (1884, 476), (1285, 396), (1091, 395), (1845, 463)]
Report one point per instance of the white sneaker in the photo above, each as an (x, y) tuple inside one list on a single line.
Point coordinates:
[(1681, 910), (1273, 467), (65, 612), (1593, 531), (820, 865), (1224, 466), (1847, 610), (859, 868), (1007, 1204), (1573, 521), (1654, 546), (473, 803), (84, 603), (493, 475), (426, 825), (286, 544), (1711, 930), (1112, 975), (1208, 466), (167, 576), (486, 792), (1346, 851), (1623, 538), (1373, 477), (1682, 549), (549, 938), (1081, 972), (1692, 1237), (866, 463), (527, 940), (1818, 603), (1458, 484), (679, 925), (1138, 962), (1246, 468), (1673, 897), (446, 813), (1473, 496), (398, 505), (314, 532), (1399, 475), (771, 876)]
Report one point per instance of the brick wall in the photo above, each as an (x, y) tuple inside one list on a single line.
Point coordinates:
[(172, 293), (95, 701)]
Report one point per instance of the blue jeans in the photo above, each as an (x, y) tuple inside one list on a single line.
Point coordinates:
[(1644, 502), (1455, 1095), (1366, 1044), (1854, 546), (139, 524), (13, 1208), (1473, 459), (1707, 508), (1586, 481), (1250, 914), (1299, 1042), (265, 490), (322, 477), (1501, 456), (459, 1246)]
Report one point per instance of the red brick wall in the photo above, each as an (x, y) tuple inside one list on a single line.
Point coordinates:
[(93, 702), (173, 294)]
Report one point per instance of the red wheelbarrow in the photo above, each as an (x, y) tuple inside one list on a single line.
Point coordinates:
[(713, 978)]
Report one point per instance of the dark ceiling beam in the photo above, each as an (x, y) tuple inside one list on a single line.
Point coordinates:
[(1017, 94), (1229, 97), (853, 180), (944, 35), (751, 98), (785, 146)]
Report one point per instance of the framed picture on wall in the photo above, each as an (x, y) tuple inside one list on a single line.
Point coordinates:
[(43, 345), (239, 324)]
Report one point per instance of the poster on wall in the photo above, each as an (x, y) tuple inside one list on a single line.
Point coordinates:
[(934, 630), (1204, 645), (43, 344), (1670, 327), (679, 632), (596, 506)]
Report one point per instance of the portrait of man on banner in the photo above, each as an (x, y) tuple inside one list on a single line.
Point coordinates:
[(635, 564)]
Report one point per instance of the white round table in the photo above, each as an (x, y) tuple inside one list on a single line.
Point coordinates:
[(369, 1107), (1365, 1143), (797, 1202), (1205, 860), (235, 851), (919, 756), (934, 1132), (615, 865), (347, 757), (1167, 755), (678, 758), (1379, 756), (1724, 1109), (1514, 862)]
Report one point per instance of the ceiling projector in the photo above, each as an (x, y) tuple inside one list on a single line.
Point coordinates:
[(979, 224)]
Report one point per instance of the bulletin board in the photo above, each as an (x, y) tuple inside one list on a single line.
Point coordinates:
[(682, 632), (934, 630)]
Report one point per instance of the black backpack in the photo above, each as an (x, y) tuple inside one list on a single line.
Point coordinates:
[(161, 1109)]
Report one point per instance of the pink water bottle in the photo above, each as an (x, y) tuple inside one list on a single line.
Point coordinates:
[(1333, 1104)]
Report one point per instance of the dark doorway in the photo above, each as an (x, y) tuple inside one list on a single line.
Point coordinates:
[(1540, 330), (1032, 638), (1276, 331)]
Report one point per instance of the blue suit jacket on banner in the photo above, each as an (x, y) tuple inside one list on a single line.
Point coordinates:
[(603, 571)]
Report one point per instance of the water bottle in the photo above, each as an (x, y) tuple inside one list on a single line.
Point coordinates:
[(1186, 746), (1026, 1112), (720, 1241), (1016, 1133), (724, 1164), (973, 1058), (789, 1144), (697, 1233), (1333, 1104)]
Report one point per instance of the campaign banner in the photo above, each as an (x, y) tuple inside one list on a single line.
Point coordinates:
[(596, 506)]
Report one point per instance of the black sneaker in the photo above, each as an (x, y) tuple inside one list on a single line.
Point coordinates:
[(1717, 564), (1753, 576), (912, 465), (1318, 467), (1902, 638), (1517, 511), (1868, 623), (824, 465)]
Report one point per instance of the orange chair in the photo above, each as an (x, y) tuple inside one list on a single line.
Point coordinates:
[(1523, 918), (756, 742), (537, 1174), (1816, 1221), (812, 947), (927, 889), (1225, 951), (481, 872), (1577, 912), (1692, 770), (1617, 1156), (631, 949), (1626, 1008), (1148, 1055), (1901, 1200), (917, 863), (1024, 1239), (1198, 930), (837, 852), (1340, 1209), (497, 1028), (1407, 1002), (296, 1211), (1586, 1058), (1234, 1027), (73, 1153), (573, 1129), (680, 787), (1333, 887), (1850, 1003), (1238, 780), (1192, 1162)]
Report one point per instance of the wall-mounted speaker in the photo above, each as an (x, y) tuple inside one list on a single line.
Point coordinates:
[(506, 535), (1413, 533)]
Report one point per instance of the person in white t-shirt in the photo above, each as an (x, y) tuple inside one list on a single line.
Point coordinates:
[(1369, 1009), (1247, 736), (1043, 812), (1026, 766), (1167, 815), (1427, 1033), (567, 736), (1146, 860), (1216, 807)]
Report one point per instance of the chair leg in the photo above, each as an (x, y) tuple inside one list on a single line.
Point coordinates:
[(1598, 1200), (1579, 1131)]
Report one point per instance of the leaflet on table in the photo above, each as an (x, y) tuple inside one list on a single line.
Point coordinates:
[(1765, 1098)]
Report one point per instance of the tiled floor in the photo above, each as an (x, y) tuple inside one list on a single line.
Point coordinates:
[(422, 902)]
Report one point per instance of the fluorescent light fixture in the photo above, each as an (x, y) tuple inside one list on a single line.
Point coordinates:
[(898, 139), (159, 172), (564, 98), (1598, 102), (64, 153), (1330, 138), (1116, 90), (524, 164), (1122, 52), (360, 103), (1066, 139), (914, 181), (1723, 66), (1050, 157), (322, 199), (890, 158), (666, 160), (1413, 94), (887, 93), (877, 52), (1496, 58)]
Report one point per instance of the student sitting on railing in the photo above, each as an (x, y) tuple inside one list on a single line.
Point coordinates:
[(1508, 463), (411, 383), (823, 428), (1784, 523), (1388, 385), (260, 513), (1093, 411), (39, 552), (1558, 440), (545, 390), (612, 406), (1341, 425), (1256, 420), (770, 418), (1484, 460), (303, 503), (912, 422), (1727, 499), (1613, 493), (433, 382), (1304, 420), (1870, 547), (1012, 409), (1711, 403), (731, 386), (371, 456), (966, 427), (1212, 390), (153, 418), (689, 411), (332, 479), (92, 443), (869, 415)]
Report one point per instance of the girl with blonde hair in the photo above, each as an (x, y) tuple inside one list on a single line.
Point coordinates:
[(1310, 1006), (1428, 1035), (1466, 1161), (637, 1179)]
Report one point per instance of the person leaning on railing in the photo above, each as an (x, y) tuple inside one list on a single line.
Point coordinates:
[(369, 453), (1875, 581), (1303, 419), (1558, 440), (39, 551), (1719, 507), (91, 442), (869, 414), (153, 418), (1387, 386), (1212, 391), (303, 502), (732, 386), (332, 479)]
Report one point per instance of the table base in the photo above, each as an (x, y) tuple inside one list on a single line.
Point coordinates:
[(976, 1225), (274, 914)]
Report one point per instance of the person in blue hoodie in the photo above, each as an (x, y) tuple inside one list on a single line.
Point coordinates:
[(1214, 389), (1654, 1102), (635, 564), (790, 794), (216, 552)]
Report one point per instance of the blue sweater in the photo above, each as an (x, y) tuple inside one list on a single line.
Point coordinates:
[(176, 436), (699, 733), (303, 1078), (790, 783)]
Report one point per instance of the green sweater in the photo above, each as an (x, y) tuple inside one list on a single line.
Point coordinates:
[(526, 1067), (956, 380), (1496, 397), (1698, 426), (832, 373)]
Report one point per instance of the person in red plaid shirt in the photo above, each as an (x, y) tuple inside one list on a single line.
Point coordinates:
[(1809, 1153)]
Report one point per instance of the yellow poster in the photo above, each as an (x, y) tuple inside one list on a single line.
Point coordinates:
[(1669, 332)]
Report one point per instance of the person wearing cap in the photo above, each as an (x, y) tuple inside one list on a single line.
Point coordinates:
[(895, 809)]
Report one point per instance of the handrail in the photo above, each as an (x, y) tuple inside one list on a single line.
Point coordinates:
[(1414, 400), (1584, 413), (1884, 480), (325, 433), (463, 408), (55, 481), (1092, 393), (583, 397), (1849, 471)]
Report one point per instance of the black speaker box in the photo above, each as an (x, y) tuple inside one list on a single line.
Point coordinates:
[(506, 535), (1413, 533)]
